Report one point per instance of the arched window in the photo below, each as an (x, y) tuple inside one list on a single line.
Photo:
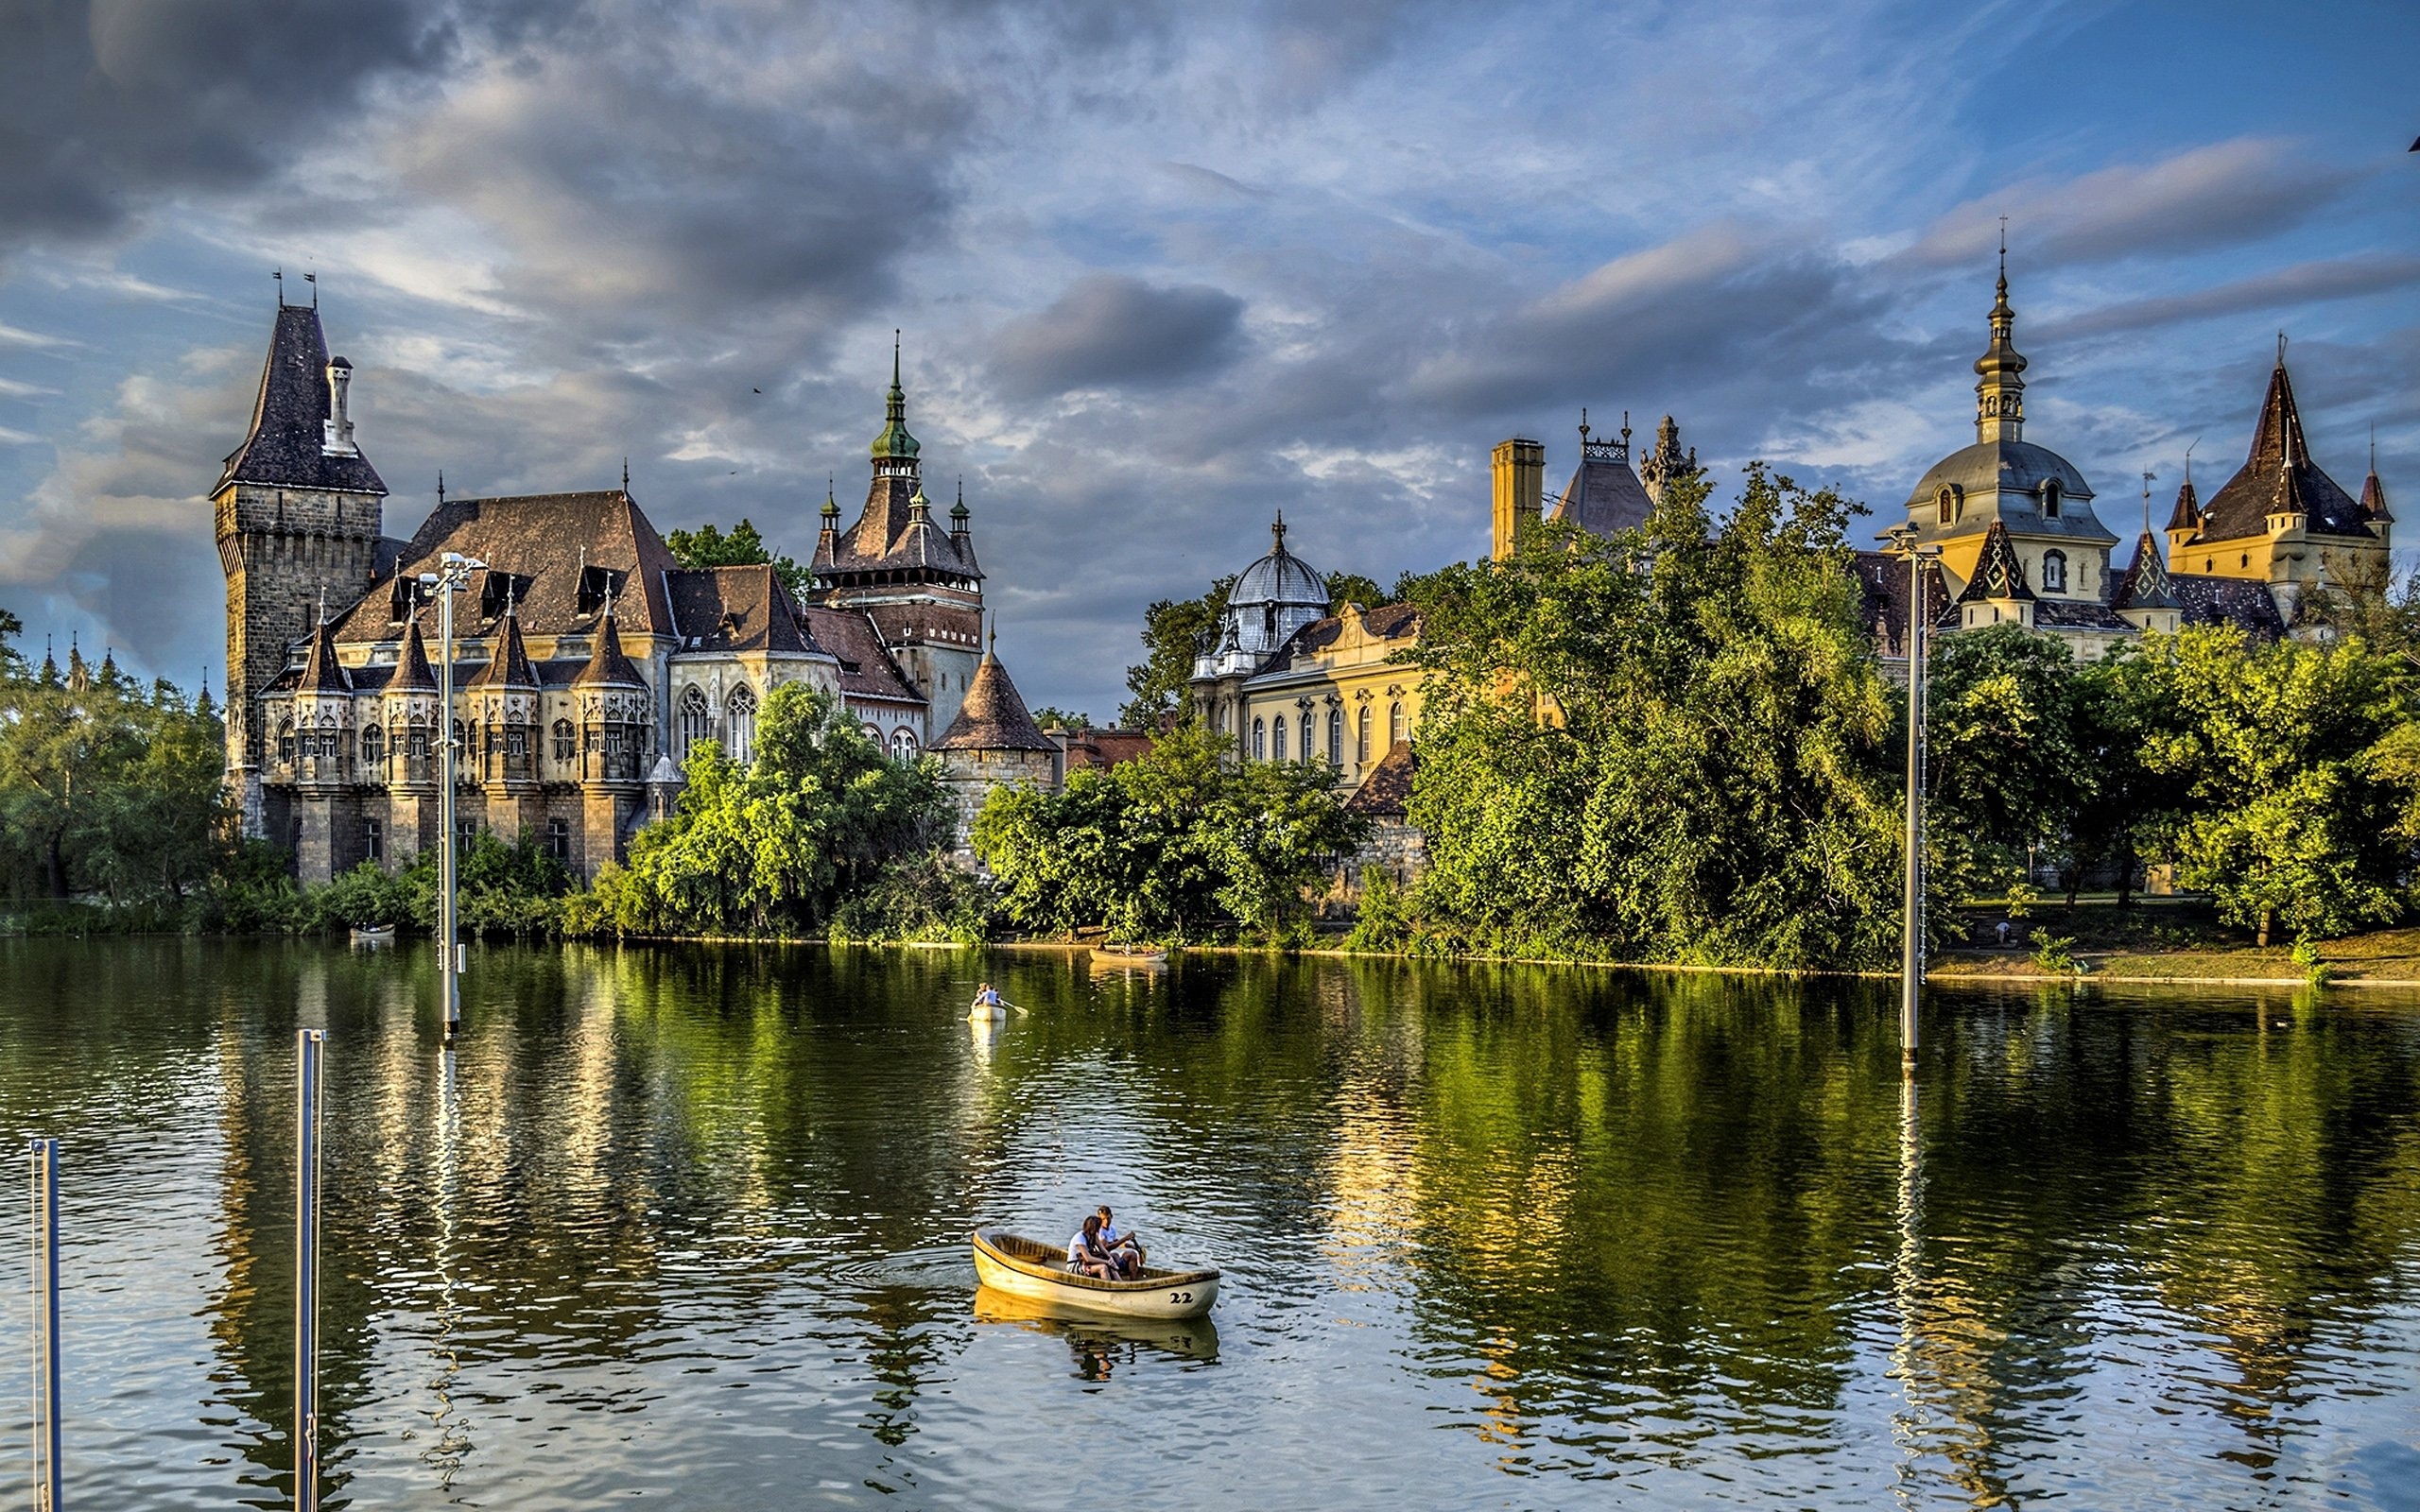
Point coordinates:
[(461, 743), (696, 718), (373, 747), (2054, 572), (285, 740), (741, 740), (1361, 734), (516, 741), (903, 744), (1260, 740), (1336, 737), (1946, 503), (2051, 499), (1394, 724), (567, 741), (416, 744), (1277, 740)]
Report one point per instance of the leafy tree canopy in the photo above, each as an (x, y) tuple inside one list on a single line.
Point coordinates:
[(709, 545)]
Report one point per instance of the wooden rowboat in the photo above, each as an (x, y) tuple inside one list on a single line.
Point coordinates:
[(1029, 1268), (1121, 957), (373, 934)]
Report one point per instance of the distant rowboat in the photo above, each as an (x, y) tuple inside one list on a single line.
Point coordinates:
[(1029, 1268), (373, 934), (1121, 957)]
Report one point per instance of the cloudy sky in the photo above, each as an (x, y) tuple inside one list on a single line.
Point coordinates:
[(1164, 270)]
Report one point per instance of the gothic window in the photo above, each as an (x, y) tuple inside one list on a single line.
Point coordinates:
[(559, 840), (373, 839), (416, 744), (1336, 737), (2054, 572), (285, 741), (696, 718), (1946, 503), (741, 706), (566, 744), (903, 744), (2051, 499), (466, 833), (1361, 735), (461, 740), (516, 741), (1259, 740), (1394, 724), (374, 748), (1277, 740)]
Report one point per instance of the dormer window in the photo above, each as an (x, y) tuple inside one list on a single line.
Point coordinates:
[(1945, 503), (2054, 566), (594, 584), (2051, 499)]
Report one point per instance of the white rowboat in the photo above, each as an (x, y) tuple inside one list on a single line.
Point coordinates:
[(1029, 1268)]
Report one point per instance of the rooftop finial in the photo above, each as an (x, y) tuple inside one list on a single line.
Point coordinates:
[(313, 279), (2148, 476), (895, 356), (2189, 460), (2281, 349), (1583, 425), (2003, 250), (440, 485), (279, 275), (626, 477), (1625, 430), (323, 603), (1277, 529)]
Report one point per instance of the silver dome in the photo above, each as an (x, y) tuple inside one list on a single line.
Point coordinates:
[(1280, 577)]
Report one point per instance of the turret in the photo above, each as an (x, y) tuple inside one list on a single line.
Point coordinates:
[(1999, 392)]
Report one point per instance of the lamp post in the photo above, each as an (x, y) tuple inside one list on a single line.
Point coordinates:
[(1911, 954), (453, 574)]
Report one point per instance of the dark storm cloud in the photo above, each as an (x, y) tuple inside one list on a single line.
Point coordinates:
[(2303, 283), (1110, 330), (105, 104), (2212, 196)]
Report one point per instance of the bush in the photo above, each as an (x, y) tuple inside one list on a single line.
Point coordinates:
[(2055, 953), (916, 898)]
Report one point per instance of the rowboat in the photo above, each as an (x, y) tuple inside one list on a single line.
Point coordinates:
[(373, 934), (1120, 957), (1029, 1268)]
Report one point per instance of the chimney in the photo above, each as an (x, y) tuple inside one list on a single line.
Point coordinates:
[(337, 430), (1520, 480)]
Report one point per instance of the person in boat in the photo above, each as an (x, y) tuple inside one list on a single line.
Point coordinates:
[(986, 1001), (1087, 1255), (1125, 1249)]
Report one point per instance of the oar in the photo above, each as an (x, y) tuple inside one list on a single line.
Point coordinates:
[(1006, 1004)]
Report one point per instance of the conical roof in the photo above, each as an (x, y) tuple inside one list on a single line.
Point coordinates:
[(412, 672), (284, 448), (2187, 514), (2374, 498), (607, 666), (994, 717), (321, 671), (510, 667), (2280, 478), (2145, 584), (1998, 573)]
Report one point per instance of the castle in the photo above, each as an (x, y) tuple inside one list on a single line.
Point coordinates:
[(587, 660)]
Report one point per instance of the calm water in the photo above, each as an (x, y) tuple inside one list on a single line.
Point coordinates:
[(688, 1225)]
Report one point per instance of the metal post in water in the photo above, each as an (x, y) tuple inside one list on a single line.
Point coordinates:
[(1911, 960), (44, 1287), (306, 1269), (455, 572)]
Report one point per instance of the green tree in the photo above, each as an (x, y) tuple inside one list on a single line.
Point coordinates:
[(1690, 763), (2289, 819), (2006, 769), (1175, 630), (1051, 718), (773, 846), (2128, 808), (709, 545), (1175, 845), (1352, 588)]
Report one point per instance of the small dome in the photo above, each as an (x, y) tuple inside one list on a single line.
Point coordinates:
[(1988, 467), (1281, 579)]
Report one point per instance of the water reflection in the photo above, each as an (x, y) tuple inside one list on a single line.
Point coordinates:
[(1099, 1344), (691, 1223)]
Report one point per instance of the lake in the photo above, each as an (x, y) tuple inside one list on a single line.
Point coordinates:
[(688, 1225)]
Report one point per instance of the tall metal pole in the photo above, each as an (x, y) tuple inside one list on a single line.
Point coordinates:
[(1911, 962), (447, 950), (308, 1043), (44, 1280)]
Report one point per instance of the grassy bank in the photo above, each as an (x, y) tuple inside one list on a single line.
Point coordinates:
[(2162, 939)]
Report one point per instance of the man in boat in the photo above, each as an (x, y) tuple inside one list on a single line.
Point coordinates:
[(1088, 1256), (1125, 1250), (987, 1002)]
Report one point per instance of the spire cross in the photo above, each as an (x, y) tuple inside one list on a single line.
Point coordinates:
[(323, 603), (626, 475), (1583, 425), (2148, 475)]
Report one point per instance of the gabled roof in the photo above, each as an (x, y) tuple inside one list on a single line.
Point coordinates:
[(994, 717), (2280, 478), (2238, 601), (607, 666), (1883, 578), (1604, 496), (2144, 584), (737, 608), (896, 531), (1388, 787), (866, 669), (1998, 573), (1388, 622), (543, 540), (283, 448), (510, 667)]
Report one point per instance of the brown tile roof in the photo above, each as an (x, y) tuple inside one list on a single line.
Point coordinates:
[(510, 667), (1388, 787), (994, 717), (607, 666), (1100, 750), (321, 671), (866, 669), (2278, 476), (2374, 495), (892, 533), (539, 539), (282, 449), (413, 671), (736, 608)]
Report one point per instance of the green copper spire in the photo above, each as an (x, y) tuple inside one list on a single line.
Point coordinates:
[(958, 511), (894, 442)]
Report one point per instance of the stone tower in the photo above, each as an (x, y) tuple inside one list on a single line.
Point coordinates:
[(298, 516)]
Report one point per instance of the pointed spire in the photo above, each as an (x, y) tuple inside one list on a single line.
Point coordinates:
[(412, 672), (2373, 491), (1277, 532), (510, 667), (959, 512), (78, 677), (321, 671), (109, 666), (1998, 573), (831, 503), (895, 443), (49, 665), (607, 666), (2145, 583), (993, 715), (2000, 394)]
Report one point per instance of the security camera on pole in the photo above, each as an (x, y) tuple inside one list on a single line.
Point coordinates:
[(452, 575)]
